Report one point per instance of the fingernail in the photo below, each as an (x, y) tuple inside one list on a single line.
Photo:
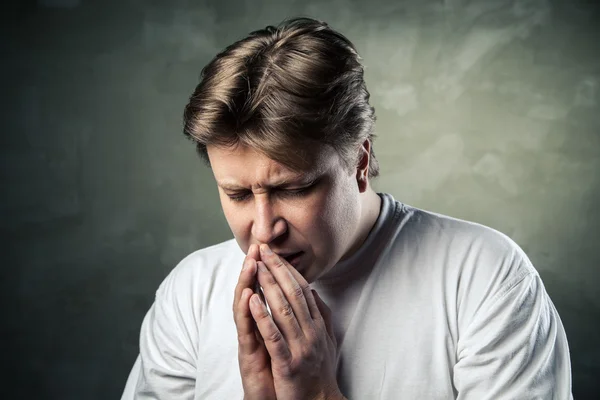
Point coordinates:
[(246, 264), (256, 300), (265, 249), (262, 266)]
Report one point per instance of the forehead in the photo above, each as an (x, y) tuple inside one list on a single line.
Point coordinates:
[(245, 166)]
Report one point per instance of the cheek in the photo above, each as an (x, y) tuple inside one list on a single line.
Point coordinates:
[(334, 221), (235, 220)]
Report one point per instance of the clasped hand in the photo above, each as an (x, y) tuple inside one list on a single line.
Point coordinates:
[(291, 354)]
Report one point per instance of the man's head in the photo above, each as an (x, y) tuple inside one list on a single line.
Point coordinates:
[(288, 103)]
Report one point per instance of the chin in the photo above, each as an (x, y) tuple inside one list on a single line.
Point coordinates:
[(308, 279), (310, 275)]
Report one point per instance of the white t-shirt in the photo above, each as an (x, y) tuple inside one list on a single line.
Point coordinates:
[(430, 307)]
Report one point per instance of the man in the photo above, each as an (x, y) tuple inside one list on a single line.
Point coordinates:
[(368, 298)]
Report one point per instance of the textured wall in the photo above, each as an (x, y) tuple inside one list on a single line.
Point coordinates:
[(487, 110)]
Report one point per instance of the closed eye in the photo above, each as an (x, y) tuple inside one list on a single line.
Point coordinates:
[(237, 198), (297, 192), (240, 197)]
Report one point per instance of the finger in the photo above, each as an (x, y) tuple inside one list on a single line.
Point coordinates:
[(272, 337), (248, 342), (326, 313), (281, 310), (294, 291), (242, 316), (308, 295), (247, 278), (254, 252)]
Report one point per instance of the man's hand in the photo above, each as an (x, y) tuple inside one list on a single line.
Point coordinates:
[(253, 358), (299, 336)]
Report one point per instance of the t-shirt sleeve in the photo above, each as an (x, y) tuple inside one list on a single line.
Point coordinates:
[(165, 367), (515, 346)]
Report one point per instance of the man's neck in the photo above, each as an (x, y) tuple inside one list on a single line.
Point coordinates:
[(370, 212)]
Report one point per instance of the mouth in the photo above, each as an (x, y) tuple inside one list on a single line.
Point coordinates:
[(294, 259)]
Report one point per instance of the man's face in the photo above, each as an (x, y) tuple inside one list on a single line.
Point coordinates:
[(315, 212)]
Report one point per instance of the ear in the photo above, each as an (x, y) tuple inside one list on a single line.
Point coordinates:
[(362, 168)]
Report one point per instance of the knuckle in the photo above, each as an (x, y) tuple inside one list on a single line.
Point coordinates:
[(288, 370), (279, 263), (263, 314), (275, 337), (287, 367), (268, 278), (244, 339), (306, 351), (271, 280), (310, 333), (298, 292), (286, 310), (321, 326), (247, 368), (305, 287)]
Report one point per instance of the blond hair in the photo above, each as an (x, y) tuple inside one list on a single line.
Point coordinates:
[(284, 91)]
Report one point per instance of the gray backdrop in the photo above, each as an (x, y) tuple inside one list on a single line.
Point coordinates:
[(487, 111)]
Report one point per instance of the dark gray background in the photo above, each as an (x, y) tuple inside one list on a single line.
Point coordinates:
[(487, 110)]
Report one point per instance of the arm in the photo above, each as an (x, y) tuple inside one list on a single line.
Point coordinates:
[(165, 367), (515, 347)]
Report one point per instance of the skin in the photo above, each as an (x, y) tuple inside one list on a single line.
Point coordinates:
[(291, 354), (328, 221)]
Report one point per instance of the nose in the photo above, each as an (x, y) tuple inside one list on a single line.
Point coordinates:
[(268, 225)]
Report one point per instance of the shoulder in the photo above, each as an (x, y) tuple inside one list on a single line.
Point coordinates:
[(466, 243), (170, 333), (474, 262), (202, 269)]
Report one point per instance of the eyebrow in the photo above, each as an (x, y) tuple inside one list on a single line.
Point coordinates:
[(306, 179)]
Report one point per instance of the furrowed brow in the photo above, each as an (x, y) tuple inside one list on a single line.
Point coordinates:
[(301, 179)]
